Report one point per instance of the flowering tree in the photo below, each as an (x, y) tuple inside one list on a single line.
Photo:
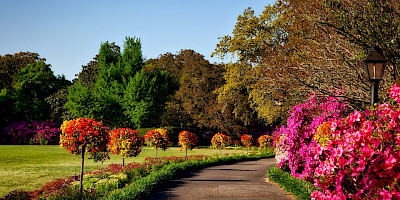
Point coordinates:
[(247, 141), (85, 135), (125, 142), (220, 141), (359, 155), (157, 139), (264, 141), (187, 140)]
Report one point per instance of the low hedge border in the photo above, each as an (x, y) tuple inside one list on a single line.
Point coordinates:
[(142, 188), (299, 188)]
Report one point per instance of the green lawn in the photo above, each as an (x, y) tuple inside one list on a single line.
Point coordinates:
[(29, 167)]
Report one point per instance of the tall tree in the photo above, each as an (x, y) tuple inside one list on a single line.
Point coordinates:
[(11, 64), (118, 90), (194, 103), (34, 84), (145, 97)]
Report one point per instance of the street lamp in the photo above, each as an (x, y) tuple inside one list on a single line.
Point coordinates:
[(375, 64)]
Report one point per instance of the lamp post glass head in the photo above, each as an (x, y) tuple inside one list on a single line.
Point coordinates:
[(375, 64)]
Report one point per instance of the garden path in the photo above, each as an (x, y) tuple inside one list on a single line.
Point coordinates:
[(242, 180)]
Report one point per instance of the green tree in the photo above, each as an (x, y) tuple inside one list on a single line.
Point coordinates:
[(80, 101), (11, 64), (115, 71), (34, 84), (145, 97)]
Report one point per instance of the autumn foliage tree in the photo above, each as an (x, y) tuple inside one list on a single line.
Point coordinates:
[(83, 135), (297, 47), (157, 139), (187, 140), (194, 104), (125, 142), (220, 140)]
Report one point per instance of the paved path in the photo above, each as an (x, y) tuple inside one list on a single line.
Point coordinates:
[(243, 180)]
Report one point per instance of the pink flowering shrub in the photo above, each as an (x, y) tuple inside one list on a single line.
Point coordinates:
[(294, 142), (361, 160), (31, 133)]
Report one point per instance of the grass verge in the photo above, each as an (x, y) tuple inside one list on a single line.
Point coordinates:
[(298, 188)]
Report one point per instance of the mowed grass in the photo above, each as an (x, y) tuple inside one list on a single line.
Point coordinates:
[(28, 167)]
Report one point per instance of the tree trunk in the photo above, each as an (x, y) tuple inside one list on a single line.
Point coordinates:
[(81, 178), (156, 154), (186, 154), (123, 161)]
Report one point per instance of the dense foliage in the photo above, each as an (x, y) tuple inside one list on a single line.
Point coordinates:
[(348, 156), (31, 133), (125, 142), (157, 138), (220, 140), (247, 140), (187, 140), (85, 134), (295, 138), (120, 90), (26, 82), (265, 141)]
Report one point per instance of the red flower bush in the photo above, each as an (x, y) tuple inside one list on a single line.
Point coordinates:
[(88, 133), (265, 141), (157, 138), (247, 140), (125, 142), (187, 140), (220, 140)]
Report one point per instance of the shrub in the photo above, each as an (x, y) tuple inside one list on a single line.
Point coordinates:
[(359, 158), (157, 138), (125, 142), (247, 140), (33, 133), (265, 141), (294, 142), (220, 140), (45, 133), (187, 140), (18, 133)]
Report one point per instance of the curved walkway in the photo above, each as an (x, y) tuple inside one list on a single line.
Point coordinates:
[(242, 180)]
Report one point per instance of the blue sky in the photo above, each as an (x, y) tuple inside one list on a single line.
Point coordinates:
[(69, 33)]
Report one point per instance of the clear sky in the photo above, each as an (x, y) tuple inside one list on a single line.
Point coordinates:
[(68, 33)]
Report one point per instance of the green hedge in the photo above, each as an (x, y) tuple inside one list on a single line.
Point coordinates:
[(299, 188), (142, 188)]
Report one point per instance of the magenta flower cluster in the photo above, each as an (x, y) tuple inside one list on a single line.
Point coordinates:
[(31, 133), (296, 139), (361, 158)]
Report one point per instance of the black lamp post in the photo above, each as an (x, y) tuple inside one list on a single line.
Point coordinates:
[(375, 64)]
